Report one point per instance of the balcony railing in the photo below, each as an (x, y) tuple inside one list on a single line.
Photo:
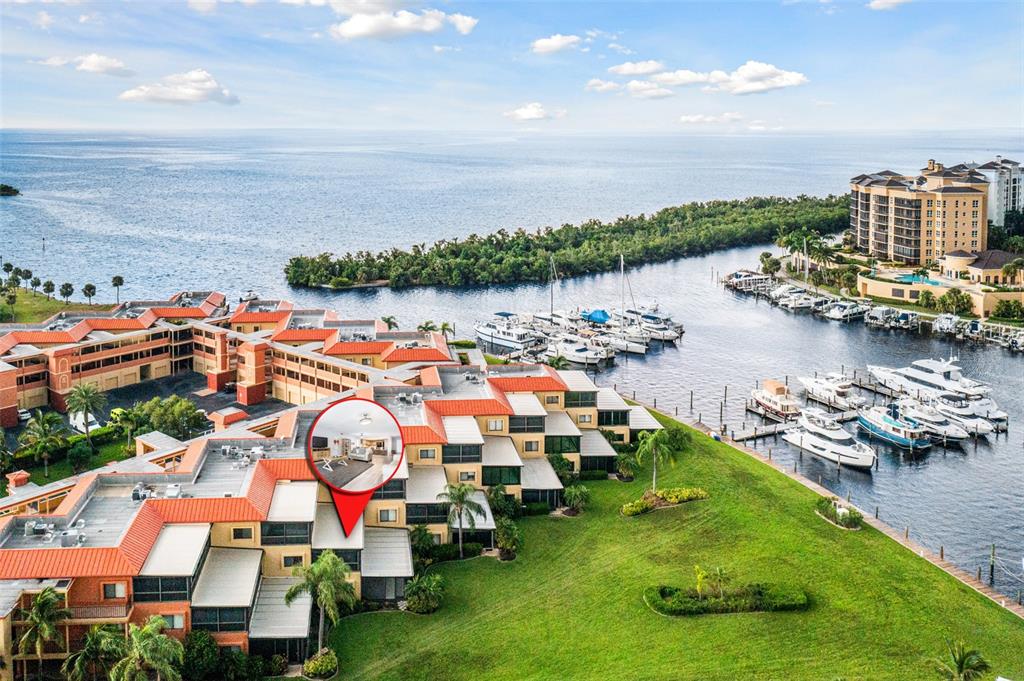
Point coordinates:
[(101, 612)]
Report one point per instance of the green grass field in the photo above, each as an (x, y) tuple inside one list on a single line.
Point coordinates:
[(570, 606), (112, 451), (35, 307)]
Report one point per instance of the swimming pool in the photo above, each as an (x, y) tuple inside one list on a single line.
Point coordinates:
[(915, 279)]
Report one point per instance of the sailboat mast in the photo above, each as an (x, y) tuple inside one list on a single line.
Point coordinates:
[(622, 295), (551, 307)]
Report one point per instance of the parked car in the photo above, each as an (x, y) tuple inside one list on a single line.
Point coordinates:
[(78, 422), (24, 415)]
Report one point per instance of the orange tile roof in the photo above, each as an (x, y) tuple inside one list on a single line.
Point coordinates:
[(421, 435), (241, 317), (67, 562), (358, 348), (141, 535), (431, 376), (178, 312), (416, 355), (302, 335), (113, 324), (477, 407)]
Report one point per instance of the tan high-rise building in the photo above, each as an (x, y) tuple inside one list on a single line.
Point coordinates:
[(917, 219)]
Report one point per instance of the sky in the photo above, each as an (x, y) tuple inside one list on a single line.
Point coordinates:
[(628, 67)]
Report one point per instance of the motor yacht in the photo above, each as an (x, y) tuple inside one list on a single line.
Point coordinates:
[(784, 291), (961, 411), (775, 398), (880, 316), (834, 390), (905, 320), (797, 301), (936, 375), (938, 425), (575, 352), (945, 323), (505, 333), (889, 424), (845, 310), (824, 437), (619, 343)]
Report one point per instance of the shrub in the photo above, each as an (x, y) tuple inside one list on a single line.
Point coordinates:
[(673, 601), (464, 344), (442, 552), (641, 505), (508, 538), (201, 656), (829, 507), (237, 666), (593, 475), (679, 495), (537, 508), (423, 593), (576, 497), (321, 665), (79, 456), (277, 666)]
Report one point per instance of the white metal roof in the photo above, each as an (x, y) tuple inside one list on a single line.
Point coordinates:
[(11, 589), (293, 502), (576, 380), (609, 400), (525, 404), (462, 430), (271, 618), (425, 483), (500, 451), (641, 419), (560, 423), (387, 553), (177, 550), (538, 474), (328, 534), (228, 579), (484, 521), (593, 443)]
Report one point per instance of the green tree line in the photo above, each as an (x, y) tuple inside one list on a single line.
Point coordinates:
[(590, 247)]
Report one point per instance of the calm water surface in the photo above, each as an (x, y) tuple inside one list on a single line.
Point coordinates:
[(226, 211)]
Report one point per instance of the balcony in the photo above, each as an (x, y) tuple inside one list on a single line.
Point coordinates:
[(115, 611)]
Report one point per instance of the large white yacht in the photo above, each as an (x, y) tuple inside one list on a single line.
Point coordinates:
[(929, 378), (575, 352), (845, 310), (833, 389), (823, 436), (506, 333), (938, 425), (959, 410), (891, 425)]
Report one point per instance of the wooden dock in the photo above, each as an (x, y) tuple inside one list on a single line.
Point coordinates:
[(770, 430), (864, 384)]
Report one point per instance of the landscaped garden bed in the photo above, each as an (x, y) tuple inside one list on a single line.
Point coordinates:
[(839, 515), (663, 498), (676, 602)]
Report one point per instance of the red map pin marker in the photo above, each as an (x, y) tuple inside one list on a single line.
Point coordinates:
[(354, 448)]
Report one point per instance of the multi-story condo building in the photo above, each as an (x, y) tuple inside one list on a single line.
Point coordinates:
[(206, 532), (917, 219), (1005, 187)]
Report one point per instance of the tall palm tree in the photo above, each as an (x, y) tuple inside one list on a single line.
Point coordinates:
[(1013, 268), (86, 400), (446, 329), (48, 288), (326, 580), (961, 663), (89, 290), (148, 650), (42, 619), (459, 498), (426, 326), (117, 282), (102, 647), (44, 433), (127, 420), (66, 291), (390, 322), (35, 283), (655, 445)]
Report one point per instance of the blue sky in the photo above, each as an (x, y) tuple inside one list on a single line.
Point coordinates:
[(723, 67)]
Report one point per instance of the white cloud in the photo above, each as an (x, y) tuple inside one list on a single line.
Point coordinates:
[(637, 68), (680, 77), (762, 126), (208, 6), (598, 85), (51, 61), (441, 49), (554, 43), (727, 117), (44, 20), (754, 77), (645, 89), (885, 4), (193, 87), (350, 7), (533, 111), (402, 22), (88, 18), (98, 63), (621, 49)]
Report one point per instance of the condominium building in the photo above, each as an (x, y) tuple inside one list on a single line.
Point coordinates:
[(917, 219), (1005, 187)]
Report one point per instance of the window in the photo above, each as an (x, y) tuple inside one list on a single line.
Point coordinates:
[(461, 453), (580, 399), (501, 475), (428, 453), (365, 361), (115, 590), (585, 418), (160, 588), (174, 621), (218, 619), (531, 446), (291, 561), (551, 399), (562, 444), (387, 515), (239, 533), (495, 425), (426, 514), (392, 489), (613, 418), (526, 424), (285, 533), (467, 476)]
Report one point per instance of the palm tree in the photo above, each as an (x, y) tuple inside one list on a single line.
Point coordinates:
[(961, 663), (655, 446), (85, 399), (558, 362), (41, 621), (12, 298), (89, 290), (66, 291), (102, 646), (48, 288), (6, 456), (702, 575), (926, 299), (427, 326), (148, 650), (43, 433), (34, 283), (117, 282), (127, 420), (1013, 268), (390, 321), (576, 497), (446, 329), (459, 498), (326, 580), (627, 464)]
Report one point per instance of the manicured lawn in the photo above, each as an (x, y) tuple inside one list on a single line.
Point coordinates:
[(112, 451), (570, 606), (35, 307)]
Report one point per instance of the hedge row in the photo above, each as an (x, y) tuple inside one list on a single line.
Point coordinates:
[(442, 552), (670, 600), (100, 436)]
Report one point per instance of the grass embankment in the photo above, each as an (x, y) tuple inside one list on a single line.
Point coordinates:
[(112, 451), (33, 307), (570, 606)]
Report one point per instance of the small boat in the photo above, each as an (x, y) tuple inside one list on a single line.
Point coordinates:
[(889, 424), (880, 316), (619, 343), (820, 304), (577, 353), (905, 320), (797, 301), (775, 398), (945, 323), (824, 437), (974, 330), (504, 332), (833, 389), (249, 296), (961, 411), (845, 310), (932, 420), (784, 291), (661, 326)]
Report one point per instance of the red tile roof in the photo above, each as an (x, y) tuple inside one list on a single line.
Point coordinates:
[(421, 435), (415, 355), (528, 384), (241, 317), (302, 335), (358, 348), (477, 407)]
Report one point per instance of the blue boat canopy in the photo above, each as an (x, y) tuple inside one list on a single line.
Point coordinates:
[(596, 316), (504, 314)]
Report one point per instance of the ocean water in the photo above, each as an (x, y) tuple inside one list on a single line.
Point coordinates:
[(225, 211)]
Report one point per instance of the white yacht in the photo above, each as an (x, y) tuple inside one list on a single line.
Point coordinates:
[(775, 398), (784, 291), (905, 320), (938, 425), (824, 437), (891, 425), (928, 378), (797, 301), (619, 343), (577, 353), (961, 411), (660, 325), (505, 333), (945, 323), (880, 316), (845, 310), (834, 389), (587, 340)]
